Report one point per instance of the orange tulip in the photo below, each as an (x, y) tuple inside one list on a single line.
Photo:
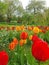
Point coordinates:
[(12, 46), (22, 27), (25, 41), (15, 40), (47, 28), (40, 30), (21, 42), (29, 28)]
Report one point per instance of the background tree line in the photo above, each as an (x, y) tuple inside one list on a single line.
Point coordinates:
[(35, 12)]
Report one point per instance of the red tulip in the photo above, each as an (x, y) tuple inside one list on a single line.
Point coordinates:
[(44, 31), (24, 35), (3, 58), (40, 50), (35, 38)]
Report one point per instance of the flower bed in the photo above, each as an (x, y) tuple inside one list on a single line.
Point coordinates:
[(17, 42)]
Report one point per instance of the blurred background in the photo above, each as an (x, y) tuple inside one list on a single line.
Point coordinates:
[(30, 12)]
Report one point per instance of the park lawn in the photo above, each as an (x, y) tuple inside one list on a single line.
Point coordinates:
[(5, 25)]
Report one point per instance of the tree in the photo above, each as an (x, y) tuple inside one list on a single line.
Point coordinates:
[(46, 12), (35, 6), (2, 10), (20, 9), (12, 8)]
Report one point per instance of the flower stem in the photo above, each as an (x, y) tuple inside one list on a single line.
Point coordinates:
[(39, 63)]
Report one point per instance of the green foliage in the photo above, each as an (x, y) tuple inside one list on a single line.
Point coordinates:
[(21, 55), (47, 36), (35, 13), (10, 8), (3, 7)]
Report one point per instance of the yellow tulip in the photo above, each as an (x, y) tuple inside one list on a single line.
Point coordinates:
[(22, 27), (25, 41), (36, 30), (30, 37), (18, 28)]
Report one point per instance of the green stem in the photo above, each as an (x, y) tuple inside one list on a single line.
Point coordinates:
[(39, 63)]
